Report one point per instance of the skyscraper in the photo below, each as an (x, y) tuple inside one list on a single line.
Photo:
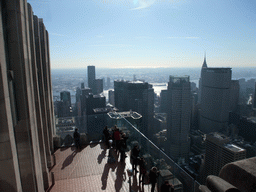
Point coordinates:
[(111, 97), (234, 95), (137, 96), (164, 101), (65, 104), (27, 124), (91, 76), (98, 86), (215, 95), (178, 117), (204, 66)]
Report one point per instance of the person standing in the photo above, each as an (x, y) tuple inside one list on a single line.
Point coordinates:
[(76, 137), (143, 170), (153, 174), (106, 135), (135, 156), (117, 138)]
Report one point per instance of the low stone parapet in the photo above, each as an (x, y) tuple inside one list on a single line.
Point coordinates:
[(83, 139), (56, 141), (241, 174)]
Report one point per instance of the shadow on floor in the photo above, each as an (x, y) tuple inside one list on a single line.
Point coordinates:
[(104, 177), (120, 176), (68, 160), (102, 156)]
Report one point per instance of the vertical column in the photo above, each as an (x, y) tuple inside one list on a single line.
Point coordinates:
[(25, 128), (50, 80), (49, 86), (37, 103), (30, 85), (9, 174), (41, 89), (45, 67)]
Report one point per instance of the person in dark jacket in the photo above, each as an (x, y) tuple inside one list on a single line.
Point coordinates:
[(153, 175), (143, 170), (135, 157), (76, 137), (106, 136)]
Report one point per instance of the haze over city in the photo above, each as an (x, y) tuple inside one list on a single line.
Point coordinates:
[(149, 33)]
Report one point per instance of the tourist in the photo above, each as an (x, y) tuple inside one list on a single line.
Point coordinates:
[(143, 170), (153, 174), (106, 135), (135, 157), (76, 137)]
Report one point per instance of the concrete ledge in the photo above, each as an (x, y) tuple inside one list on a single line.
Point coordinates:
[(56, 142), (217, 184), (94, 137), (241, 174), (203, 188), (83, 139)]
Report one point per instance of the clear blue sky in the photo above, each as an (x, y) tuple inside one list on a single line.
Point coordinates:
[(149, 33)]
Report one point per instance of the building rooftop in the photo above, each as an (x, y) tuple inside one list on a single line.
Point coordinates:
[(89, 171), (218, 69), (234, 148), (218, 135), (125, 114)]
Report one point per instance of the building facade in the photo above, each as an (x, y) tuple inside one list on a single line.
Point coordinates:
[(27, 124), (215, 96), (91, 76), (98, 86), (178, 117), (137, 96), (219, 152)]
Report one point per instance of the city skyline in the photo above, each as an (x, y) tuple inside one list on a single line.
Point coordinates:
[(46, 138), (139, 34)]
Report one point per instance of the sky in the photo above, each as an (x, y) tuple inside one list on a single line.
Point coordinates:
[(149, 33)]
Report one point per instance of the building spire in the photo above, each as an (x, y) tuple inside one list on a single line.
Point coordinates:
[(204, 64)]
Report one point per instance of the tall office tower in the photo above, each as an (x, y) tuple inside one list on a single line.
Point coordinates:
[(134, 95), (219, 152), (26, 99), (164, 101), (82, 85), (98, 86), (178, 117), (215, 95), (84, 94), (111, 97), (204, 66), (108, 83), (94, 101), (151, 98), (91, 76), (65, 104), (65, 97), (234, 95)]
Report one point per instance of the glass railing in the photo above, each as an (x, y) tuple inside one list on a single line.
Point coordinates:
[(153, 155)]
